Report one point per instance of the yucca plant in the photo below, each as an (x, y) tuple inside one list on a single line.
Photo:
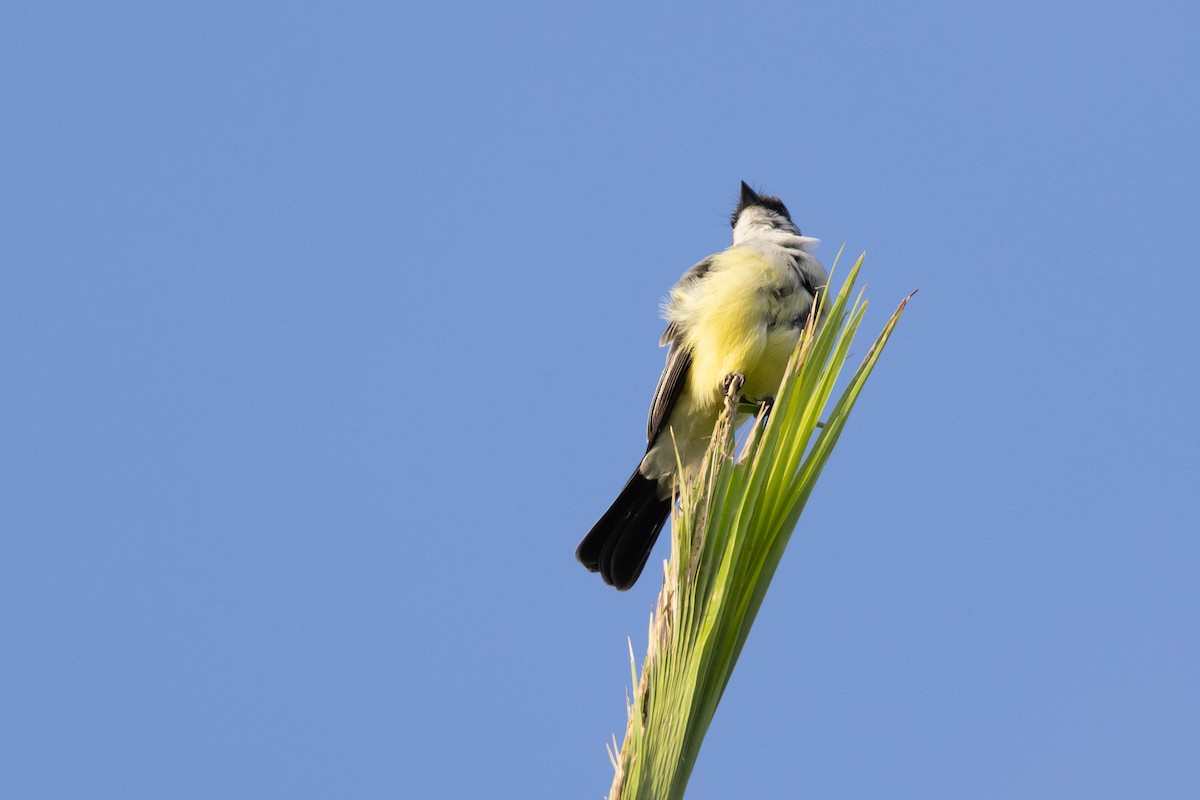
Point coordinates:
[(729, 534)]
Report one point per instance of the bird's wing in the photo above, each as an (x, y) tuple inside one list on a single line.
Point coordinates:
[(670, 386), (679, 359)]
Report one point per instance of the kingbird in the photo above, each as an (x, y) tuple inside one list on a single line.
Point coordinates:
[(735, 316)]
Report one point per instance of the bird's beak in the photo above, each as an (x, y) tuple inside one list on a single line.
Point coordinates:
[(749, 196)]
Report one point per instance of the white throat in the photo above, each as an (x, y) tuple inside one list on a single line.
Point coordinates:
[(759, 224)]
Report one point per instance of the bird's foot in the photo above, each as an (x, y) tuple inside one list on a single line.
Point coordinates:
[(732, 386)]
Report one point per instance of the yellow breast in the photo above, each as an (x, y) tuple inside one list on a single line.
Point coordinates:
[(728, 322)]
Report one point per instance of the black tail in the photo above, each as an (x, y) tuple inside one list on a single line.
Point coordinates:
[(619, 544)]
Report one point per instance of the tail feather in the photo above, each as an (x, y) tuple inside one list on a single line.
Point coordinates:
[(618, 545)]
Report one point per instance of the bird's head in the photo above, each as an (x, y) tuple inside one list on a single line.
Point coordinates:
[(758, 214)]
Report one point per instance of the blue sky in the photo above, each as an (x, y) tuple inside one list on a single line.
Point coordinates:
[(326, 332)]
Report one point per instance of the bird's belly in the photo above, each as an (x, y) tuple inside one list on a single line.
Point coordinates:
[(765, 371), (759, 353), (762, 360)]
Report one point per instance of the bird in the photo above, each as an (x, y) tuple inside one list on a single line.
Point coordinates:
[(735, 316)]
